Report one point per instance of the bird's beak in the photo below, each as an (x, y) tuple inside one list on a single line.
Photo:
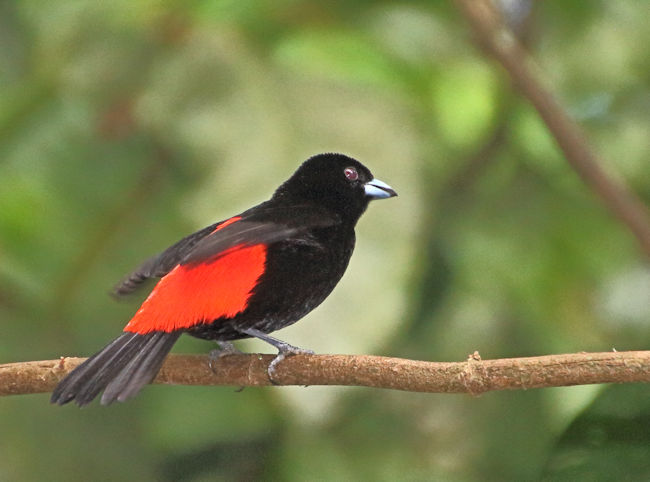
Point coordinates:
[(376, 189)]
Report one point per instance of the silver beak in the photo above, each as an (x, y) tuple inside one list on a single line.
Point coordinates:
[(376, 189)]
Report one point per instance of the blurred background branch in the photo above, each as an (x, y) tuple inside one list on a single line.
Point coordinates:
[(475, 376), (497, 40)]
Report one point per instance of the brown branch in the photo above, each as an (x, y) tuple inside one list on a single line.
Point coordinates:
[(499, 42), (473, 376)]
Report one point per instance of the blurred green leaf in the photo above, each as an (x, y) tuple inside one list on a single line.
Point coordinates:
[(464, 100), (609, 441), (338, 55)]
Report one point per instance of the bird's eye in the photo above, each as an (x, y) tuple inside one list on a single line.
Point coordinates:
[(351, 173)]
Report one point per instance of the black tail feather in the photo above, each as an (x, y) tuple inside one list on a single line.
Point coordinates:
[(141, 369), (121, 369), (105, 364), (88, 379)]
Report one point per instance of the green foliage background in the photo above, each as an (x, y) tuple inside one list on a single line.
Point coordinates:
[(125, 125)]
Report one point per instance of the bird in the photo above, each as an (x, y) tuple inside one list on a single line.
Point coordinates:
[(244, 277)]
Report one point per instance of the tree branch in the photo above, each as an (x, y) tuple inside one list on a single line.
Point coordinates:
[(474, 376), (499, 42)]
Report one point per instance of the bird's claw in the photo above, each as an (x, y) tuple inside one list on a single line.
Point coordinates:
[(285, 351), (225, 349)]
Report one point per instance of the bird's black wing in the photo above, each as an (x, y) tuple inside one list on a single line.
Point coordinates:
[(260, 225), (161, 264)]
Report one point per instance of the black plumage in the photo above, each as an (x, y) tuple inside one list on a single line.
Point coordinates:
[(246, 276)]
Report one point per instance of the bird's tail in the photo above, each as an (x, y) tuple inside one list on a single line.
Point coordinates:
[(121, 369)]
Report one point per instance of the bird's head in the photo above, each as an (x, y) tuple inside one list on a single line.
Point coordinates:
[(336, 182)]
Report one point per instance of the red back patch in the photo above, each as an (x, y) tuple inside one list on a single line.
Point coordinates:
[(193, 294)]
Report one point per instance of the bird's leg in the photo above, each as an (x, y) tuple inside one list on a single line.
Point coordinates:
[(284, 349), (226, 348)]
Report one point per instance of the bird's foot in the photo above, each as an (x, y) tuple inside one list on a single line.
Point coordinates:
[(285, 350), (225, 349)]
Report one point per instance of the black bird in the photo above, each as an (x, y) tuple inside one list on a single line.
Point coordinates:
[(246, 276)]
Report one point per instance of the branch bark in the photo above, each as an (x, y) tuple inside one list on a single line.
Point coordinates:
[(499, 42), (474, 376)]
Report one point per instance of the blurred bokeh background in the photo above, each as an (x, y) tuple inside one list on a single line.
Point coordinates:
[(125, 125)]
